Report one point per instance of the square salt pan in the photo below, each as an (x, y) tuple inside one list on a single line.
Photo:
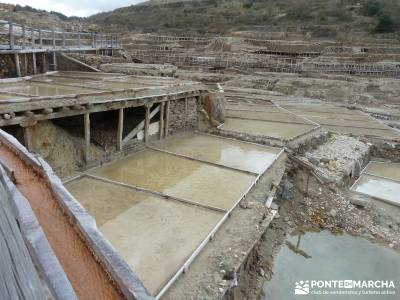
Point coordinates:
[(377, 187), (179, 177), (265, 128), (231, 153), (154, 236)]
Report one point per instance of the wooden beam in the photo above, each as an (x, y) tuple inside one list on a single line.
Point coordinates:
[(87, 136), (186, 111), (120, 128), (140, 126), (167, 119), (146, 124), (161, 123), (17, 66), (34, 63), (27, 131)]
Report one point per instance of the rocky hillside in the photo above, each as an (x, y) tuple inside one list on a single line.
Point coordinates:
[(322, 18)]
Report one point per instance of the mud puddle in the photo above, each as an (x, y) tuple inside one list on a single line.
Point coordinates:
[(323, 256)]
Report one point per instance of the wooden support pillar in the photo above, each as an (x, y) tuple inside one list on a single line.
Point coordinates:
[(186, 111), (34, 63), (54, 61), (167, 119), (44, 67), (87, 136), (161, 123), (146, 124), (120, 128), (25, 65), (27, 131), (17, 65), (79, 39)]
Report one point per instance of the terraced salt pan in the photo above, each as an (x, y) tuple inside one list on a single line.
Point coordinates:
[(266, 128), (39, 89), (378, 187), (154, 236), (230, 153), (179, 177), (251, 107), (389, 170), (366, 123), (280, 116), (378, 133)]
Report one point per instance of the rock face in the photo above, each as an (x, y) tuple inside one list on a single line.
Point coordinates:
[(140, 69), (214, 105)]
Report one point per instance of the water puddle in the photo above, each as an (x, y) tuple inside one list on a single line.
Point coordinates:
[(322, 256)]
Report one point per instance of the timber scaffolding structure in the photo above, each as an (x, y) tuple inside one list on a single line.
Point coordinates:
[(16, 39), (267, 62), (26, 110)]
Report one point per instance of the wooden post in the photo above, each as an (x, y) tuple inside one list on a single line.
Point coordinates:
[(186, 111), (27, 132), (40, 39), (54, 61), (120, 129), (146, 124), (11, 34), (167, 119), (44, 67), (17, 66), (34, 63), (161, 124), (87, 136), (25, 65), (79, 39)]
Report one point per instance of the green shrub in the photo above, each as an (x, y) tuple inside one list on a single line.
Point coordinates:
[(372, 8), (385, 24)]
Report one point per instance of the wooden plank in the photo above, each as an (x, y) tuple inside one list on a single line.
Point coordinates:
[(27, 131), (120, 128), (167, 119), (186, 111), (34, 63), (161, 123), (140, 126), (17, 65), (87, 136), (146, 124)]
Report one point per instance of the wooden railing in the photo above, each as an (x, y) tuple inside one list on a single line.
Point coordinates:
[(19, 37)]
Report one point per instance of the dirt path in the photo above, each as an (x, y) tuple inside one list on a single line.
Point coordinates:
[(86, 275)]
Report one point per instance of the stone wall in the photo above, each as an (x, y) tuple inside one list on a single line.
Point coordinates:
[(178, 119)]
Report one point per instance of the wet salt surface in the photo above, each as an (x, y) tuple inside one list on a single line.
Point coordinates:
[(380, 188), (333, 257)]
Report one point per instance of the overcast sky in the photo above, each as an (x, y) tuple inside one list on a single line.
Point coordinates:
[(80, 8)]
